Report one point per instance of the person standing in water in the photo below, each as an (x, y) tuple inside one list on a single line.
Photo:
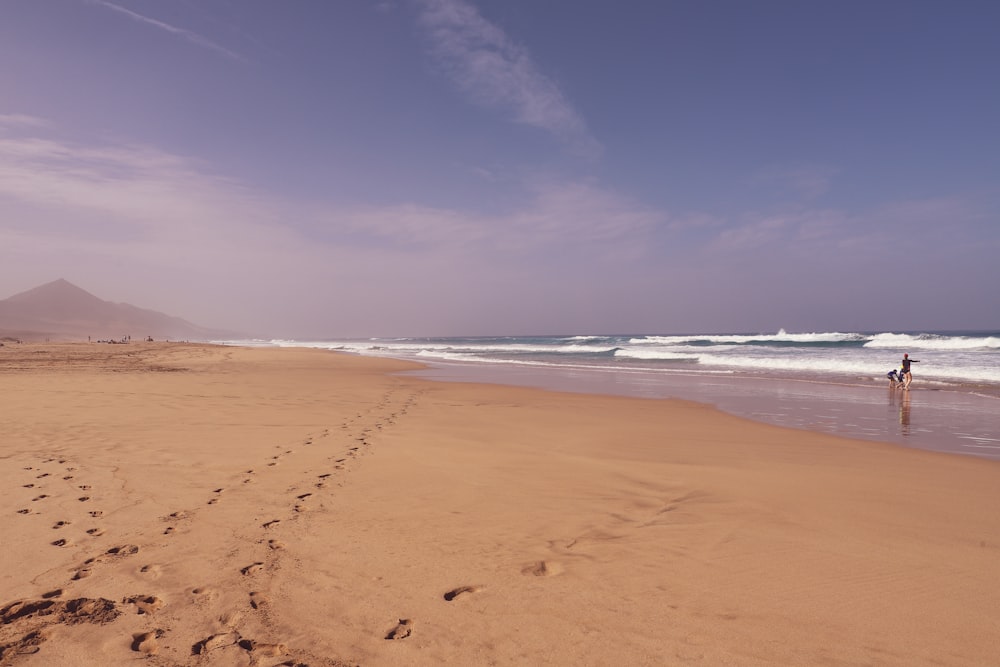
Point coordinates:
[(907, 376)]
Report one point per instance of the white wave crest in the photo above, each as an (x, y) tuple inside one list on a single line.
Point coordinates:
[(782, 336), (932, 342)]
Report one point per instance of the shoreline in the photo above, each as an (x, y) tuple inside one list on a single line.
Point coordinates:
[(196, 504), (923, 417)]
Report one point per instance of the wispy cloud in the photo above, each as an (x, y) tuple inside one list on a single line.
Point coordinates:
[(557, 218), (914, 227), (20, 120), (494, 71), (189, 239), (188, 35), (112, 193), (177, 227), (119, 193)]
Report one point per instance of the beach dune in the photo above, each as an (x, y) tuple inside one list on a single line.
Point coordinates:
[(209, 505)]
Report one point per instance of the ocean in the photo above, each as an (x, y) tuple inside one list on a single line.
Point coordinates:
[(832, 382)]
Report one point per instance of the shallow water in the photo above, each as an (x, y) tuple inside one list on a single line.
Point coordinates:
[(923, 417)]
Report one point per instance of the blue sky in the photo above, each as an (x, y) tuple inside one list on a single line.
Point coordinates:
[(454, 167)]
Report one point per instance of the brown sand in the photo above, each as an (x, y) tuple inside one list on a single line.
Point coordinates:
[(197, 505)]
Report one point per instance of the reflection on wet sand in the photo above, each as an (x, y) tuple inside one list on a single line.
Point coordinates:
[(902, 398), (904, 413)]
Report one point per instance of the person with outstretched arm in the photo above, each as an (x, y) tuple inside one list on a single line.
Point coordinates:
[(907, 376)]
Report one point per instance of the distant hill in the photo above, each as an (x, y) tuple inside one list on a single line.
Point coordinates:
[(60, 309)]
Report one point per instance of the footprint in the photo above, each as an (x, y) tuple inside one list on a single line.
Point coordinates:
[(84, 487), (83, 499), (204, 593), (29, 486), (113, 553), (455, 592), (145, 642), (95, 532), (145, 604), (60, 524), (303, 496), (257, 649), (24, 511), (402, 630), (62, 543), (252, 568), (97, 514), (169, 530), (122, 551), (271, 523), (41, 497), (151, 571), (276, 544), (214, 642), (258, 600), (542, 568)]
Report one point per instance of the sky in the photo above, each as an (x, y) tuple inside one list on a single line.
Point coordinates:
[(358, 168)]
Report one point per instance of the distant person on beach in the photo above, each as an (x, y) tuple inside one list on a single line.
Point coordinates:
[(907, 376), (893, 378)]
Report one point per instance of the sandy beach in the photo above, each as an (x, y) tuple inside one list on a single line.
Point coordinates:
[(182, 504)]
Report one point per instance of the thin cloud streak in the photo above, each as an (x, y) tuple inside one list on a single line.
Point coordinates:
[(558, 218), (495, 72), (18, 120), (877, 236), (136, 186), (188, 35), (140, 197)]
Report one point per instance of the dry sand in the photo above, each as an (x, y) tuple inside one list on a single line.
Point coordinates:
[(192, 505)]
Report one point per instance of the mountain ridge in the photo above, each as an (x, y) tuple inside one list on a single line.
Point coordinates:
[(60, 309)]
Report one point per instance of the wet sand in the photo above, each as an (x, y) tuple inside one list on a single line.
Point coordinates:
[(198, 505), (925, 417)]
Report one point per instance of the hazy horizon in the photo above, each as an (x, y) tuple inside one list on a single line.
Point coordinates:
[(452, 167)]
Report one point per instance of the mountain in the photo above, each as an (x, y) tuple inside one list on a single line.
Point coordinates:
[(60, 309)]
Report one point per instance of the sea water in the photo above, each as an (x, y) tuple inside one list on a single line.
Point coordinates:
[(832, 382)]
